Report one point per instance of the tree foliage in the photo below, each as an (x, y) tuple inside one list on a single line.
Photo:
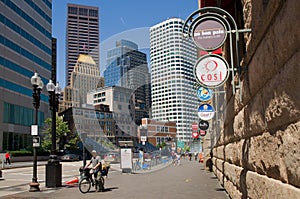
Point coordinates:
[(65, 139)]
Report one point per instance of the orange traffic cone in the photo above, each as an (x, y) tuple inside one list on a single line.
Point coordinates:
[(200, 158), (75, 180)]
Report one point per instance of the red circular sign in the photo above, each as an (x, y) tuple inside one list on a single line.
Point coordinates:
[(195, 135), (202, 133)]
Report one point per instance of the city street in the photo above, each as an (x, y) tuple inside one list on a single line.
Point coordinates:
[(189, 180)]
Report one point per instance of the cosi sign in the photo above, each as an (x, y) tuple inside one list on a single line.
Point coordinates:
[(211, 71)]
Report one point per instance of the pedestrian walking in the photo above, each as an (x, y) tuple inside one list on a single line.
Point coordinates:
[(7, 158)]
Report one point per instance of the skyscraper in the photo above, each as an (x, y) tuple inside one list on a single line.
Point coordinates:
[(172, 59), (84, 78), (82, 35), (25, 47), (127, 67)]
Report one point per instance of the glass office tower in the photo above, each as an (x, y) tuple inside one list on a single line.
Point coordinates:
[(127, 67)]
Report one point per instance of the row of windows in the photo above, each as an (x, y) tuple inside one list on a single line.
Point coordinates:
[(92, 114), (6, 42), (26, 17), (48, 3), (15, 141), (15, 114), (20, 89), (17, 68), (83, 11), (24, 34), (99, 95), (162, 129), (39, 10)]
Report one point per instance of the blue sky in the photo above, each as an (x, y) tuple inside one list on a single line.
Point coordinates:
[(116, 18)]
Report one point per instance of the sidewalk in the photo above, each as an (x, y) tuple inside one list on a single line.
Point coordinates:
[(22, 164), (188, 180)]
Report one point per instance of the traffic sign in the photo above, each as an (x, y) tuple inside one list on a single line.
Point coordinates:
[(202, 133), (206, 112), (204, 94), (194, 127), (195, 135), (36, 141), (203, 125), (211, 71)]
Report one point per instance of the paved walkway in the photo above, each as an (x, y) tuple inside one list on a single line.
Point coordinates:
[(188, 181)]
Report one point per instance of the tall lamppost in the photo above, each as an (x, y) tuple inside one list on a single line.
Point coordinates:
[(37, 84), (53, 167)]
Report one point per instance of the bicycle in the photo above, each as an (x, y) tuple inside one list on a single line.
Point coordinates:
[(87, 181)]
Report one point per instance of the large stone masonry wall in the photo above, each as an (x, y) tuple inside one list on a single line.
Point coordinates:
[(258, 152)]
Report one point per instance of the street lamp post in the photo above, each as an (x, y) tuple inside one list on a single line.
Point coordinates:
[(53, 167), (37, 84)]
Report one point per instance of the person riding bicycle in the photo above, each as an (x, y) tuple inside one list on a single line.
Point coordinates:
[(96, 164)]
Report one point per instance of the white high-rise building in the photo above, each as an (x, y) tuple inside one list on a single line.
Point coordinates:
[(172, 60)]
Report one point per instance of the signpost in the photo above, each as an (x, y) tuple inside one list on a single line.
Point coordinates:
[(211, 71), (202, 133), (195, 135), (203, 125), (206, 112), (204, 94), (209, 33)]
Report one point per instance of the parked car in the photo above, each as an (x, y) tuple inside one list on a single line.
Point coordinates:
[(70, 157), (112, 157)]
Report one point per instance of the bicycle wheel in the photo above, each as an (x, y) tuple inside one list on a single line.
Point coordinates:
[(100, 184), (84, 185)]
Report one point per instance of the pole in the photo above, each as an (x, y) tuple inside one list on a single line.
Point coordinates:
[(34, 185), (53, 167), (53, 147)]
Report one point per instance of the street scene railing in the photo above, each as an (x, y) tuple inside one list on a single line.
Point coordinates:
[(152, 160)]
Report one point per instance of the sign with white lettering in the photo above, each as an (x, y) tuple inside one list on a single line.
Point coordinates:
[(203, 125), (209, 33), (211, 71), (194, 127), (36, 141), (202, 133), (206, 112)]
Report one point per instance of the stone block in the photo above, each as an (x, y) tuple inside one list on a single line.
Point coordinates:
[(239, 125), (233, 173), (219, 164), (232, 189), (233, 152), (289, 153), (219, 152), (261, 69), (255, 117), (262, 187), (281, 95), (264, 156)]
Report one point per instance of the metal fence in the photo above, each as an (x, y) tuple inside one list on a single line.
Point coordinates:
[(151, 160)]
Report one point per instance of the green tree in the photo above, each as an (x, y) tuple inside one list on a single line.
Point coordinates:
[(65, 139)]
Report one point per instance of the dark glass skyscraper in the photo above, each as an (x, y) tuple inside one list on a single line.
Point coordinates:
[(82, 35), (127, 67), (25, 47)]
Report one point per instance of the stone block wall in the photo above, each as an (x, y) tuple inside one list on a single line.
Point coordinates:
[(258, 152)]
